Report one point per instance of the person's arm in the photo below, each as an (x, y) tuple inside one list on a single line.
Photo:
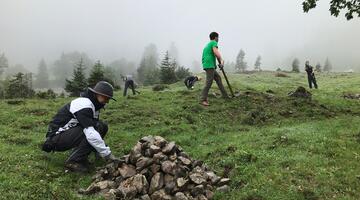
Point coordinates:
[(218, 56), (86, 120)]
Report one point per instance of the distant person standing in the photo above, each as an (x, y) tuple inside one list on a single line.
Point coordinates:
[(129, 82), (209, 56), (310, 74), (190, 81)]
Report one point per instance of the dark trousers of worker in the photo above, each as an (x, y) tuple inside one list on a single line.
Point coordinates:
[(212, 74), (129, 83), (75, 139), (312, 80)]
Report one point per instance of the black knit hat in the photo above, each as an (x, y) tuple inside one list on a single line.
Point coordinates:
[(103, 88)]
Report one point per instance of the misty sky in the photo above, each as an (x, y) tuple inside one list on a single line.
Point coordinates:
[(113, 29)]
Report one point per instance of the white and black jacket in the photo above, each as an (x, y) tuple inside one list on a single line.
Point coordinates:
[(84, 112)]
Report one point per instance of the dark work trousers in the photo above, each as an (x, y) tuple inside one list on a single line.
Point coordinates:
[(312, 80), (75, 139), (129, 83), (211, 74)]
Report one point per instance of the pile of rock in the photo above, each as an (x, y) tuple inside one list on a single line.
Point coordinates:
[(157, 169), (300, 92)]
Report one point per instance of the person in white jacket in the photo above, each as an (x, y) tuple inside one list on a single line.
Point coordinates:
[(77, 126)]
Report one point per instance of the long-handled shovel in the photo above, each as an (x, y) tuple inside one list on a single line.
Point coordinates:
[(227, 81)]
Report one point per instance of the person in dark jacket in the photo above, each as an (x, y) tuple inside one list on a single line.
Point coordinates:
[(310, 74), (77, 126), (190, 81), (129, 82)]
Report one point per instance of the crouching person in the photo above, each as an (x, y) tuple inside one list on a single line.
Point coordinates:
[(190, 81), (77, 126)]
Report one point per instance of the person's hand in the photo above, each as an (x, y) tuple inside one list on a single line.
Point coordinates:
[(221, 66), (112, 158)]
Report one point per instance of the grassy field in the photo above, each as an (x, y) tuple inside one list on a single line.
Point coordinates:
[(270, 145)]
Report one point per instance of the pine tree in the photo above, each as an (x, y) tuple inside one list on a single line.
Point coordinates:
[(181, 72), (110, 76), (258, 63), (42, 78), (296, 65), (96, 74), (141, 70), (167, 70), (152, 76), (318, 67), (327, 66), (19, 86), (148, 64), (79, 82), (3, 63), (240, 65)]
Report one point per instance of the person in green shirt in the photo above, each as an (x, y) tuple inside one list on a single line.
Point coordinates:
[(209, 56)]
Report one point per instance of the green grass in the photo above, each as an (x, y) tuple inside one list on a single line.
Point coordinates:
[(270, 145)]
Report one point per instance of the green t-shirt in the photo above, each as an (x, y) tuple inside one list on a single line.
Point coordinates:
[(208, 56)]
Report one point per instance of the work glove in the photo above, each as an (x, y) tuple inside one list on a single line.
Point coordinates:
[(111, 158), (221, 66)]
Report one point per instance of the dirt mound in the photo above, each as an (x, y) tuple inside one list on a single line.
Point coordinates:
[(300, 92), (279, 74), (160, 87), (351, 96), (156, 169)]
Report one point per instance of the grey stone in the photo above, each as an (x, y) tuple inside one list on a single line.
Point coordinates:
[(134, 157), (199, 189), (209, 194), (134, 185), (156, 183), (127, 171), (224, 188), (223, 181), (168, 179), (181, 182), (181, 171), (126, 158), (196, 163), (145, 197), (212, 177), (159, 157), (159, 141), (180, 196), (173, 157), (149, 139), (201, 197), (184, 160), (169, 182), (154, 150), (160, 195), (198, 169), (107, 184), (183, 154), (168, 167), (155, 168), (169, 148), (143, 162), (197, 178)]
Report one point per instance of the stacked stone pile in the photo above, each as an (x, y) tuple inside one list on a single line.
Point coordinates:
[(157, 169)]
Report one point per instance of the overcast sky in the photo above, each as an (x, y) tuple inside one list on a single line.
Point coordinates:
[(112, 29)]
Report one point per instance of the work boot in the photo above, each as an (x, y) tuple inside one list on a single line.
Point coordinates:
[(77, 167)]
